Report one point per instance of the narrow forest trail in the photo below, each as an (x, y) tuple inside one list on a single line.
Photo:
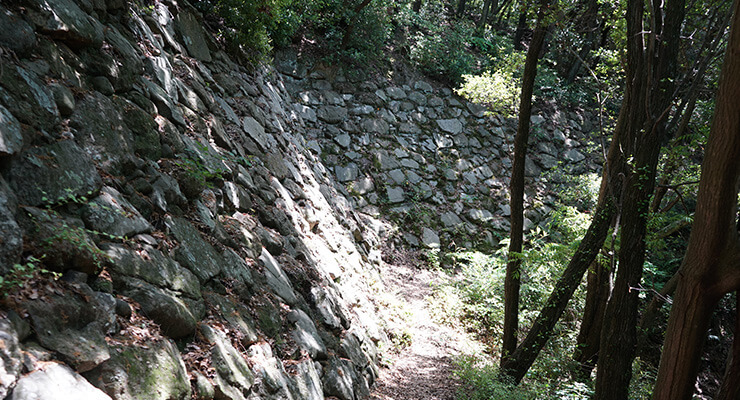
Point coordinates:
[(422, 370)]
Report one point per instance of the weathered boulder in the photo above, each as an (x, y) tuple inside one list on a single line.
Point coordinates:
[(150, 265), (111, 213), (55, 381), (28, 98), (64, 20), (192, 34), (17, 34), (11, 136), (306, 335), (153, 371), (236, 315), (193, 252), (73, 325), (276, 278), (177, 316), (332, 114), (10, 356), (100, 129), (11, 244), (233, 372)]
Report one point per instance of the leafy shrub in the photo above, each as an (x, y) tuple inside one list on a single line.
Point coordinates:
[(254, 24), (480, 382), (441, 50), (495, 89)]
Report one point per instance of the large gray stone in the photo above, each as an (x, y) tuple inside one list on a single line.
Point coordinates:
[(11, 358), (150, 265), (153, 371), (58, 382), (346, 173), (176, 316), (430, 238), (28, 98), (237, 316), (256, 132), (193, 35), (573, 156), (375, 125), (452, 126), (64, 20), (306, 335), (193, 252), (394, 194), (307, 381), (332, 114), (450, 220), (74, 325), (396, 93), (230, 365), (17, 34), (101, 130), (339, 379), (11, 244), (11, 137), (330, 307), (111, 213), (276, 278)]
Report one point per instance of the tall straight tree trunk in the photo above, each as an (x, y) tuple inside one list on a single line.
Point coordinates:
[(655, 59), (521, 26), (710, 267), (416, 6), (460, 8), (516, 190), (487, 6)]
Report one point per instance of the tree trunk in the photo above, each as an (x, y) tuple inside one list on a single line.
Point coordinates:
[(416, 6), (521, 27), (710, 267), (730, 389), (598, 289), (521, 360), (487, 5), (516, 187), (460, 8)]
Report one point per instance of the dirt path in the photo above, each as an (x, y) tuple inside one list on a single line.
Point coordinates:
[(422, 370)]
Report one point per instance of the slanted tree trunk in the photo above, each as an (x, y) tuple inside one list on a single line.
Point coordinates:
[(516, 188), (711, 266), (598, 289)]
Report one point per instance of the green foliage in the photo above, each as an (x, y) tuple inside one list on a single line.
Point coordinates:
[(253, 25), (497, 90), (20, 274), (480, 382), (441, 49)]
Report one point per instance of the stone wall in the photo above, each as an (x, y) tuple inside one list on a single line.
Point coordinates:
[(416, 153), (203, 250), (214, 227)]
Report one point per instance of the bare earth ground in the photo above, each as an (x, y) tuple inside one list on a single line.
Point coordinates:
[(423, 370)]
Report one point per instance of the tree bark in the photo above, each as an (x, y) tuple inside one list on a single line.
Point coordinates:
[(516, 188), (460, 8), (521, 27), (655, 59), (710, 267), (598, 288), (730, 389)]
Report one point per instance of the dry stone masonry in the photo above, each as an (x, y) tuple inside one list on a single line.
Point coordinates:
[(214, 226)]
